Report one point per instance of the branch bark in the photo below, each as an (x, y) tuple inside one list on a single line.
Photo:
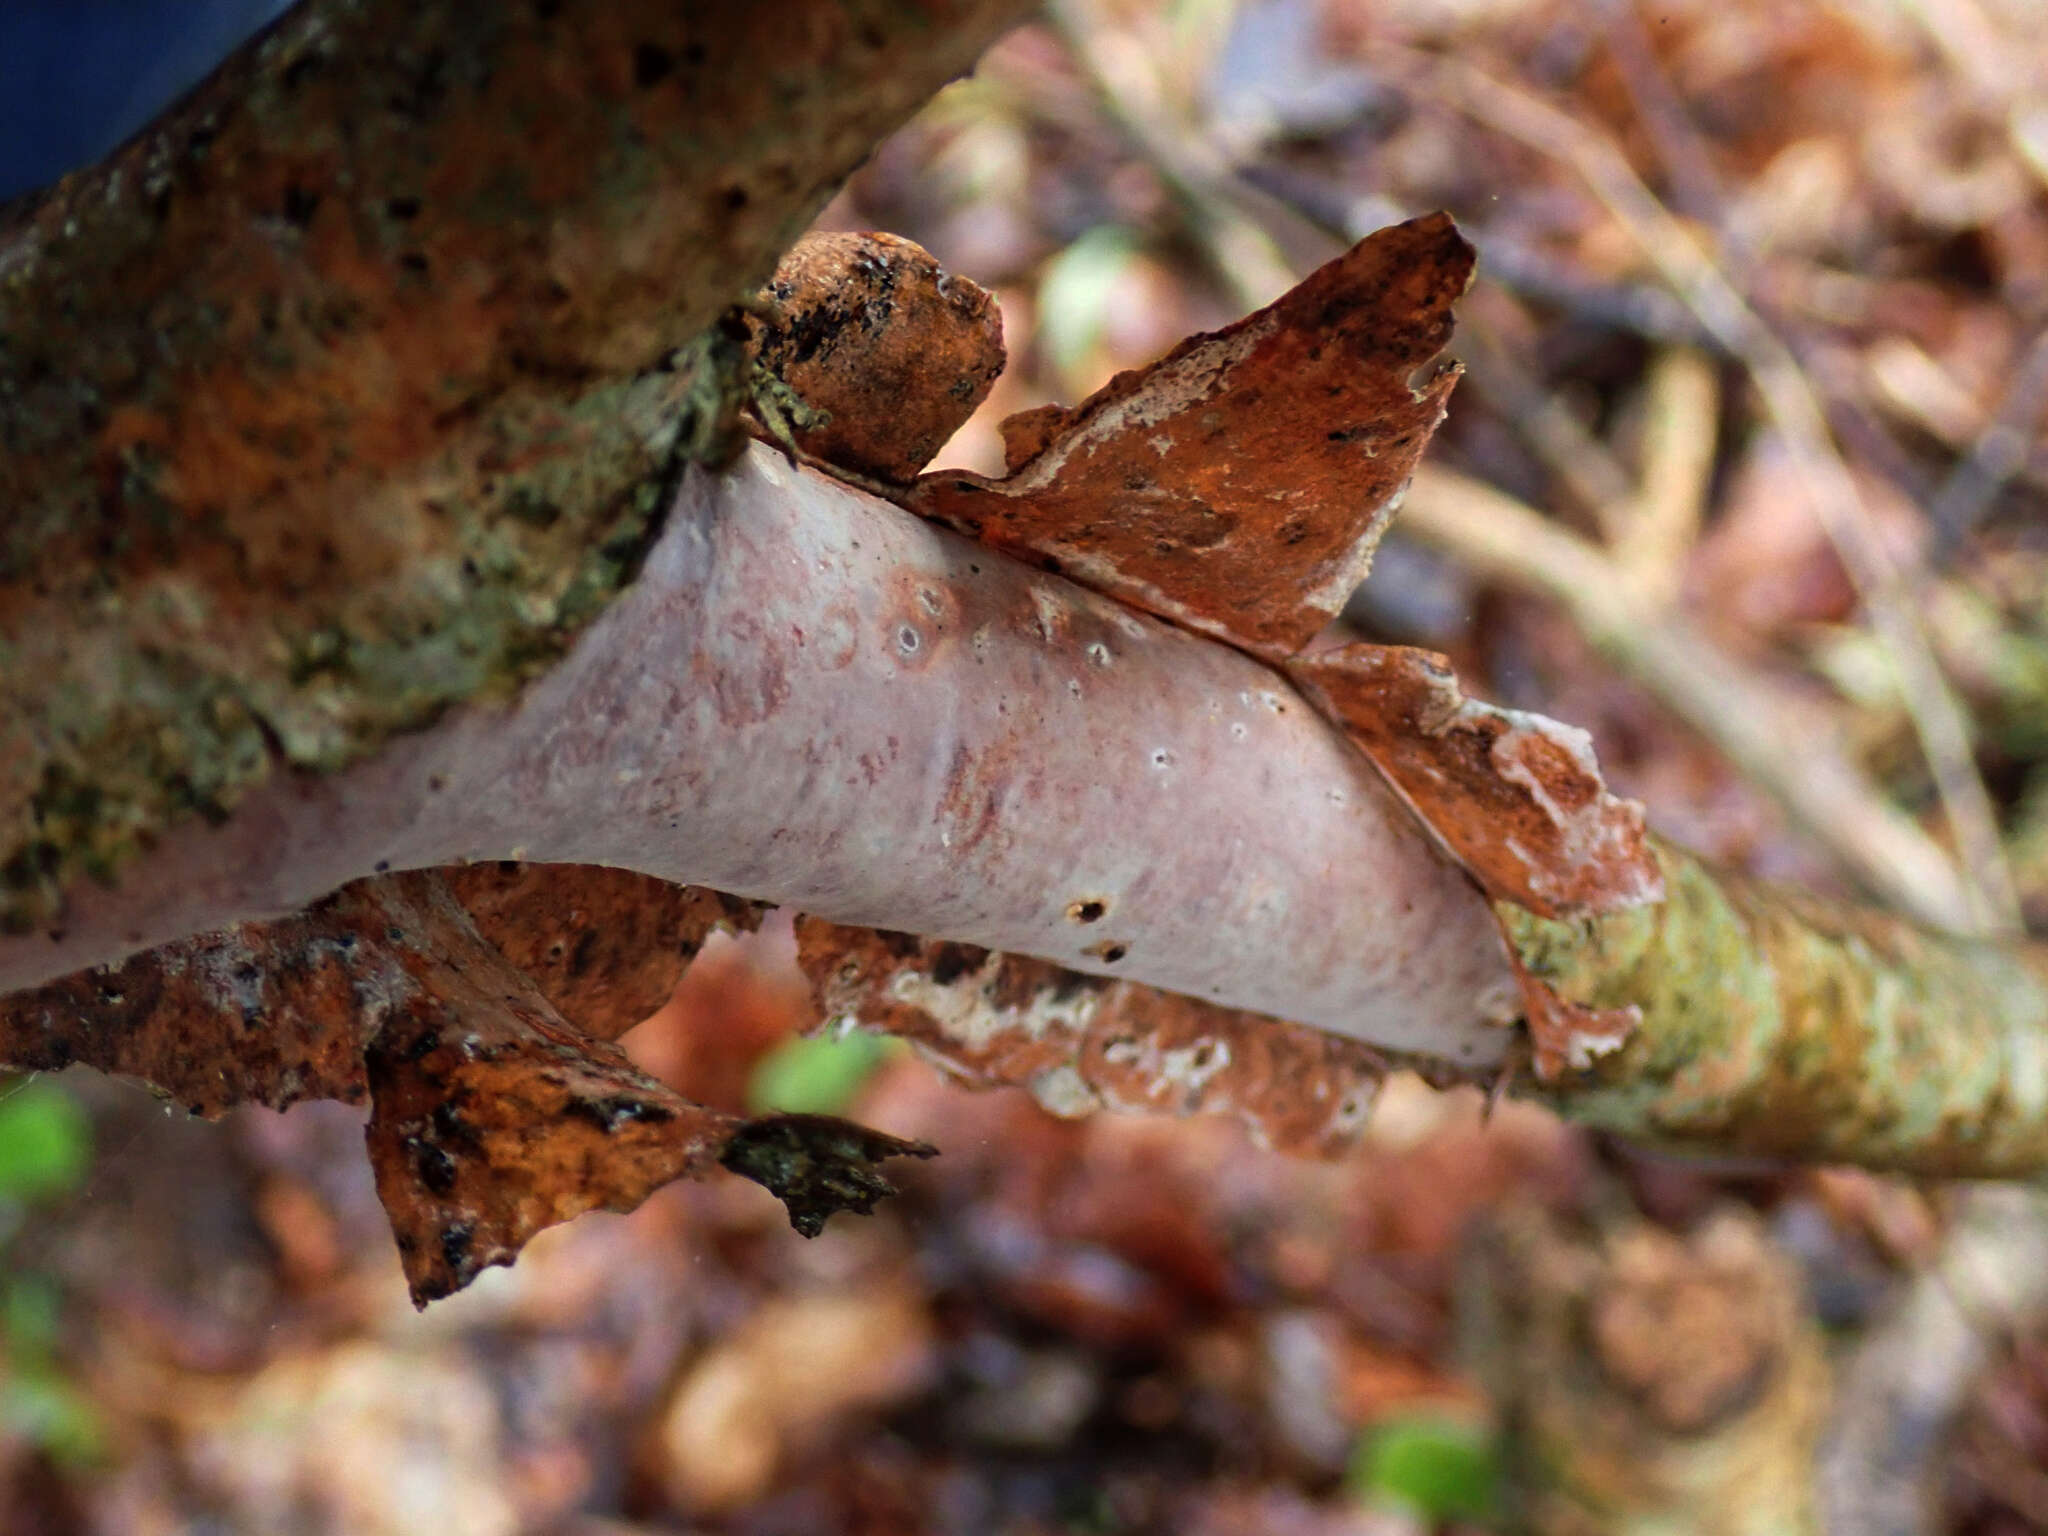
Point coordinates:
[(766, 682), (339, 396)]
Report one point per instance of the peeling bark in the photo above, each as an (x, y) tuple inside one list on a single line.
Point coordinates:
[(813, 698), (1239, 485), (1083, 1043)]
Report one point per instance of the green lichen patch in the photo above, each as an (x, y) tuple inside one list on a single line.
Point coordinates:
[(1778, 1024)]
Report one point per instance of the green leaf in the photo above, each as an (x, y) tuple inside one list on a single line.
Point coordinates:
[(1074, 296), (815, 1074), (45, 1141), (45, 1409), (1436, 1467)]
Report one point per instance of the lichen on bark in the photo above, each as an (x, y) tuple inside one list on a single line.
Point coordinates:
[(1775, 1023), (337, 397)]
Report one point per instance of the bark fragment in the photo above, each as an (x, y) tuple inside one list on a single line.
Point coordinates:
[(492, 1117), (1084, 1043), (1239, 485), (1515, 797), (817, 1165), (604, 946)]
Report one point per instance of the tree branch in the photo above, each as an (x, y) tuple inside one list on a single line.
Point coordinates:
[(338, 396)]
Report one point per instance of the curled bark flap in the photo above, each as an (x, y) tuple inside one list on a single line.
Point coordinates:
[(605, 946), (1515, 797), (491, 1115), (1239, 485)]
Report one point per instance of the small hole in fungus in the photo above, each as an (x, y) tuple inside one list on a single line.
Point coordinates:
[(1089, 911), (908, 640), (1112, 954)]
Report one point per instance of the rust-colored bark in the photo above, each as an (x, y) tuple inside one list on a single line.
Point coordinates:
[(1085, 1043), (1239, 485), (606, 947), (337, 396), (492, 1116)]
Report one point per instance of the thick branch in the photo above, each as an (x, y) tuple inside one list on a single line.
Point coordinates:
[(337, 397)]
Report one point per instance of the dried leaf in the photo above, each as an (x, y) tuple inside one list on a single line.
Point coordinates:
[(1082, 1043), (1516, 798), (1239, 485), (891, 349)]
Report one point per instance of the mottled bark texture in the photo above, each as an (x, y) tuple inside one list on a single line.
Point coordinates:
[(339, 396), (1773, 1023)]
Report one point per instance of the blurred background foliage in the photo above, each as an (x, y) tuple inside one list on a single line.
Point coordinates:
[(1747, 476)]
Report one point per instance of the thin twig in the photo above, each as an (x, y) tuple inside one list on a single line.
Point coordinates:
[(1681, 407), (1794, 410), (1504, 540), (1998, 454)]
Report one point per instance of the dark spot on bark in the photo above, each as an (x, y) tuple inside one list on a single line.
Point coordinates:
[(693, 54), (402, 209), (413, 261), (651, 64), (586, 951), (300, 70), (455, 1240), (951, 963), (431, 1166), (450, 1127), (611, 1114), (735, 199)]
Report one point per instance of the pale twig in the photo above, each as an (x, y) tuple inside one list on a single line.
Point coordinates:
[(1796, 413), (1998, 453), (1681, 407), (1504, 540), (1580, 461), (1126, 78)]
